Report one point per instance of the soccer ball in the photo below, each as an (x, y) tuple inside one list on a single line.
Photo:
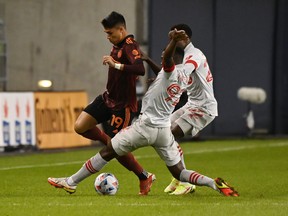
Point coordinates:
[(106, 184)]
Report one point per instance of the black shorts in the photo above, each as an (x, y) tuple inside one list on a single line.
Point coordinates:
[(112, 120)]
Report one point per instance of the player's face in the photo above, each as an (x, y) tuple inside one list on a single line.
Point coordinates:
[(114, 35), (182, 44)]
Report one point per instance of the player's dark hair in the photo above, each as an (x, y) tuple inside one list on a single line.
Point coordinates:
[(113, 19), (184, 27)]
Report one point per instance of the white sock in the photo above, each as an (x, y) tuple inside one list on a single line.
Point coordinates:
[(93, 165), (197, 179)]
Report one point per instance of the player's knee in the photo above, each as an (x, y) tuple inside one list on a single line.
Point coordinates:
[(79, 127), (177, 132), (108, 153)]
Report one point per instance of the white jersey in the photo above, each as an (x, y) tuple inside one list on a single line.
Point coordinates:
[(200, 89), (162, 96)]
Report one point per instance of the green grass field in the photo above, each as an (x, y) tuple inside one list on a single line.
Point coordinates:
[(258, 169)]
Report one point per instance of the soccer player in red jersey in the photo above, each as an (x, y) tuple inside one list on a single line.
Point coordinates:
[(118, 103)]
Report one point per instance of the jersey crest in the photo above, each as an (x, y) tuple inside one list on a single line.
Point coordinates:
[(119, 54), (129, 41)]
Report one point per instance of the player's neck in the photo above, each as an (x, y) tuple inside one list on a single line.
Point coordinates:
[(124, 35)]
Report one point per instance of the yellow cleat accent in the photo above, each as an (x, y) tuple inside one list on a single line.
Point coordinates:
[(172, 186)]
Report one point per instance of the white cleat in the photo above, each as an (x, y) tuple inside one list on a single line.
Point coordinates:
[(62, 183)]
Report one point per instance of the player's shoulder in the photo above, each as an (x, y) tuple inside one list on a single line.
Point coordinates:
[(197, 54), (129, 40), (193, 52)]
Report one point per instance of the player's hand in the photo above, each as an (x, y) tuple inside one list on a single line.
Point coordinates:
[(177, 35), (108, 60)]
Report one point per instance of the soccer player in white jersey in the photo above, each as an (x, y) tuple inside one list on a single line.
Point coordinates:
[(152, 129), (175, 187), (201, 107)]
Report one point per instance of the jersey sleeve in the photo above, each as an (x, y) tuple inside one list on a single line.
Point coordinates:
[(191, 64), (132, 51), (135, 63)]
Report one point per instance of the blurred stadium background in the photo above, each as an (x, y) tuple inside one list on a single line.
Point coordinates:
[(245, 41)]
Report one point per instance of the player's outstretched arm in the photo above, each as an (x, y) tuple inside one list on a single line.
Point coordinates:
[(155, 67), (175, 36)]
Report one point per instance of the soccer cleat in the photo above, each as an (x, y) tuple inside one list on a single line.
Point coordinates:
[(224, 188), (146, 184), (184, 188), (62, 183), (172, 186)]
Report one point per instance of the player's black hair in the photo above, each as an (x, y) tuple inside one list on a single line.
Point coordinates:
[(113, 19), (184, 27)]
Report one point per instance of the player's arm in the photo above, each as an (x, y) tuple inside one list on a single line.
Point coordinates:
[(168, 61), (133, 55), (155, 67), (136, 68)]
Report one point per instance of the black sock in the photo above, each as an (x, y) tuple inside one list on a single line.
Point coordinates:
[(143, 175)]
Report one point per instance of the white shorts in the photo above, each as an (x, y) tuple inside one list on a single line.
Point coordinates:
[(139, 135), (191, 120)]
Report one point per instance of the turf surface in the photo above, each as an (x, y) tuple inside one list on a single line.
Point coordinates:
[(258, 169)]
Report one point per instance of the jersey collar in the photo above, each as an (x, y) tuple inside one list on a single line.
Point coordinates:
[(124, 40), (189, 46)]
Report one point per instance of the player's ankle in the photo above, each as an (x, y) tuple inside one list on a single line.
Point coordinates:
[(143, 175)]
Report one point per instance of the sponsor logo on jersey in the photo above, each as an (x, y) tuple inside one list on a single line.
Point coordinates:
[(119, 54), (173, 90), (129, 41), (135, 52)]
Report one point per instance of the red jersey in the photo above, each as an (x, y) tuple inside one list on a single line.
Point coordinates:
[(121, 85)]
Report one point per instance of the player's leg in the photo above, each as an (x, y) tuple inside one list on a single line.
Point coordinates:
[(122, 144), (186, 121), (91, 166), (171, 156), (182, 174), (95, 113), (201, 180), (191, 122), (176, 130), (128, 140), (177, 187), (119, 120)]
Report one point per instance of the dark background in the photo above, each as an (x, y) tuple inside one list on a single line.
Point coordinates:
[(246, 44)]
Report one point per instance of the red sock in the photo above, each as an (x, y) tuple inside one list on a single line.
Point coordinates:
[(96, 134), (131, 163)]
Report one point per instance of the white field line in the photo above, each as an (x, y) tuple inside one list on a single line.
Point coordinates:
[(138, 204), (226, 149)]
